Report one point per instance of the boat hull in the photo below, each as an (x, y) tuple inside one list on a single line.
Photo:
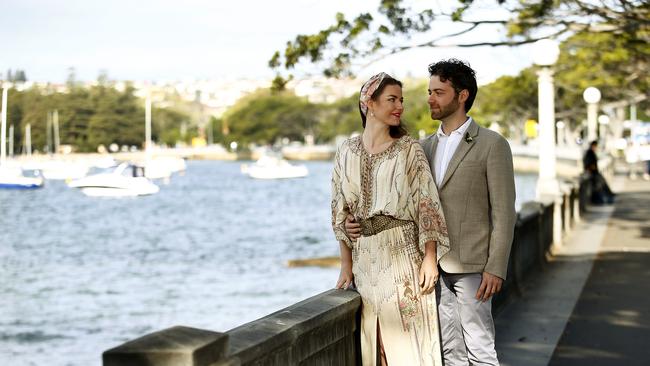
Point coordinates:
[(117, 192), (14, 179)]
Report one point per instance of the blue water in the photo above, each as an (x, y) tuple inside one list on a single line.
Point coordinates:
[(79, 275)]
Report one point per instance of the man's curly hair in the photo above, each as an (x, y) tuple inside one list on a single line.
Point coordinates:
[(461, 76)]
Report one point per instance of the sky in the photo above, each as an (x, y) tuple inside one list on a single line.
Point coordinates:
[(164, 40)]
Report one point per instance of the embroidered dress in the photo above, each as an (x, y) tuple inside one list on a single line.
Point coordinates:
[(397, 183)]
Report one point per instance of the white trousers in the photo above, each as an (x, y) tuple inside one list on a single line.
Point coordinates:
[(466, 324)]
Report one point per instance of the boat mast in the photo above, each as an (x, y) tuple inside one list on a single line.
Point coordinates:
[(28, 139), (11, 140), (49, 132), (55, 121), (3, 139), (147, 120)]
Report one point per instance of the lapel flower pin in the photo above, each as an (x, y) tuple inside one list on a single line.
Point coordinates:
[(468, 138)]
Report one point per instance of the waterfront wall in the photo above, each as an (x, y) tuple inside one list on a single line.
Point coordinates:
[(324, 329)]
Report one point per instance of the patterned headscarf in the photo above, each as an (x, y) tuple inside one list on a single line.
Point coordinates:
[(369, 88)]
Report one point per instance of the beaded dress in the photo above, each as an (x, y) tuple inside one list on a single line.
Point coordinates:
[(395, 185)]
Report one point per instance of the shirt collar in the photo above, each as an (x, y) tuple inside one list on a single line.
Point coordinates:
[(459, 131)]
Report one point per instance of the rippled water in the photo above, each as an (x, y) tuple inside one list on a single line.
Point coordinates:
[(79, 275)]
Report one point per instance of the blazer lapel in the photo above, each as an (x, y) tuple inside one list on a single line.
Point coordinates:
[(430, 151), (463, 148)]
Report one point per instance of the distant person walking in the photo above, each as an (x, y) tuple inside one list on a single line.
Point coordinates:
[(600, 191), (382, 179)]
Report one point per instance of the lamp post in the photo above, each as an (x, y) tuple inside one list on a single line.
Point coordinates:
[(591, 95), (545, 54), (603, 121)]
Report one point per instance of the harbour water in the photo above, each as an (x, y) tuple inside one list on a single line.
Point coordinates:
[(79, 275)]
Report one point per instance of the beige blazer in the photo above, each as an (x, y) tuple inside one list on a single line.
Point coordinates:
[(478, 200)]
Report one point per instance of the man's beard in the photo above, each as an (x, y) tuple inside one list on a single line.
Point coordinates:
[(446, 111)]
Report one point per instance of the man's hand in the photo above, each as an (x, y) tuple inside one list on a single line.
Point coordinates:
[(352, 228), (428, 275), (490, 285)]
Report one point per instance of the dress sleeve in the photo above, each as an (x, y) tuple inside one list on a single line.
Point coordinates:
[(428, 210), (340, 208)]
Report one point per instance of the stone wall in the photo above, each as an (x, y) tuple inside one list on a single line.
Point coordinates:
[(324, 329)]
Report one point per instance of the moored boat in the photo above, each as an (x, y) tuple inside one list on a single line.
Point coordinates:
[(270, 167), (123, 181), (13, 178)]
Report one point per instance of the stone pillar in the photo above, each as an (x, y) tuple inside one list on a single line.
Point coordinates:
[(547, 184)]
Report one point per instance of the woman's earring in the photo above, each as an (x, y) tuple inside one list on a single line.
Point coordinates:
[(372, 114)]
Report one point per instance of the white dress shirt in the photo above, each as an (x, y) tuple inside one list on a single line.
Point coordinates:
[(447, 146)]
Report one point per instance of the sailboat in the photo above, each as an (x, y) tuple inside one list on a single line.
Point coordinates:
[(160, 167), (12, 177), (59, 168)]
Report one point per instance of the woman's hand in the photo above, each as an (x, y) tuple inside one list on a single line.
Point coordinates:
[(428, 274), (346, 278)]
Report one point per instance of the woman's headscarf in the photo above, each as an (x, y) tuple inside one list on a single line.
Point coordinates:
[(369, 88)]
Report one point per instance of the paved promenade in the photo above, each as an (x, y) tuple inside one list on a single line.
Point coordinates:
[(589, 306)]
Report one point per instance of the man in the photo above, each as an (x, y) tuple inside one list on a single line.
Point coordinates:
[(472, 167), (600, 191)]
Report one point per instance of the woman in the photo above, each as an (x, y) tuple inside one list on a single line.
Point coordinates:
[(383, 179)]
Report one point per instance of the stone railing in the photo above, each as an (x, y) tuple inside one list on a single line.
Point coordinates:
[(324, 329)]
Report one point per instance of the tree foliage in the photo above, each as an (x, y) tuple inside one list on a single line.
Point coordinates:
[(88, 117), (339, 118), (508, 100), (602, 60), (396, 24), (266, 116)]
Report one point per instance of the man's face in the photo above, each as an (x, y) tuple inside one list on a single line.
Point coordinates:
[(443, 100)]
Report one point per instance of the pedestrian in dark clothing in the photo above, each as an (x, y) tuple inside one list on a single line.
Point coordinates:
[(600, 191)]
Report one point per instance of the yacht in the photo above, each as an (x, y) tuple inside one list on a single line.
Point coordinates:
[(13, 178), (125, 180), (271, 167)]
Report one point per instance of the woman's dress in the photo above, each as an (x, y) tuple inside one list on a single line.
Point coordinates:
[(396, 183)]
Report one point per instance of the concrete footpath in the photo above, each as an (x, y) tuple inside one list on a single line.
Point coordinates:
[(591, 303)]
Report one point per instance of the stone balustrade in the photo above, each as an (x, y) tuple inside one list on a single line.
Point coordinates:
[(323, 330)]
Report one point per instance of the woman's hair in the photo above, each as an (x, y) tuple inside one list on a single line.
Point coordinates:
[(394, 131)]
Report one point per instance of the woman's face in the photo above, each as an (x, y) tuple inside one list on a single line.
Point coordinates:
[(388, 107)]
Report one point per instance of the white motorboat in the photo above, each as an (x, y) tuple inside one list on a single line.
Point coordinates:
[(270, 167), (124, 181), (13, 178)]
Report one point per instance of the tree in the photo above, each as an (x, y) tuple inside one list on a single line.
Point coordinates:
[(265, 117), (166, 126), (508, 100), (605, 61), (602, 60), (17, 76), (395, 24), (339, 118), (117, 119)]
